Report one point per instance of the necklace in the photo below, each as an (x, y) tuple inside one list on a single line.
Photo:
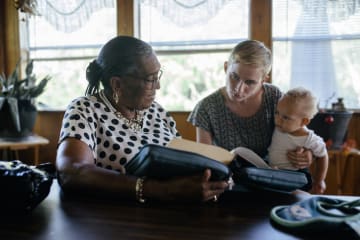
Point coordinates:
[(134, 124)]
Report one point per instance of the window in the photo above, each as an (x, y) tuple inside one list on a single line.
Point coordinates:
[(64, 40), (317, 45), (192, 40)]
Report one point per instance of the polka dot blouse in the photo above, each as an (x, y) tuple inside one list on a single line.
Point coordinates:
[(112, 143)]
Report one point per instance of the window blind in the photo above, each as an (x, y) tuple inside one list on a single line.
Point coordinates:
[(316, 44)]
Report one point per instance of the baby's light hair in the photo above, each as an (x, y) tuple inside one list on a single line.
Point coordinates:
[(252, 52), (304, 98)]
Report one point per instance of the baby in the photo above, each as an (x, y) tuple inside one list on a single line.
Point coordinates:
[(293, 113)]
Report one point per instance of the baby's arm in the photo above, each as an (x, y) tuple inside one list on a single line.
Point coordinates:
[(321, 167)]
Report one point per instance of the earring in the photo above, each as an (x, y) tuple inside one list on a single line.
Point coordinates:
[(116, 97)]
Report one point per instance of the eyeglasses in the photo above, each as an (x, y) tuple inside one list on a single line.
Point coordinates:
[(152, 80)]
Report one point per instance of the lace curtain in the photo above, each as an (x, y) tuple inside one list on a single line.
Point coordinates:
[(187, 12), (70, 15)]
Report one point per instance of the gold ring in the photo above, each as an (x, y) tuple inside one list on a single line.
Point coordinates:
[(215, 199)]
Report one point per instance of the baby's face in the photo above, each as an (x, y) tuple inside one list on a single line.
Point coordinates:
[(287, 116)]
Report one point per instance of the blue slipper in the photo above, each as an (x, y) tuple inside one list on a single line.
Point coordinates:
[(319, 215)]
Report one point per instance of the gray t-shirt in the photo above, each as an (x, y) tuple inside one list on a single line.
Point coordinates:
[(229, 130)]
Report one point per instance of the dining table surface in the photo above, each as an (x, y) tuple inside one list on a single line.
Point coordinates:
[(236, 215)]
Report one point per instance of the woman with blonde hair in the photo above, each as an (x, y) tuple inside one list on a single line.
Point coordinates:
[(242, 112)]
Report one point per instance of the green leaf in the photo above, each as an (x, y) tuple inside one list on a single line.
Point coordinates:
[(25, 88)]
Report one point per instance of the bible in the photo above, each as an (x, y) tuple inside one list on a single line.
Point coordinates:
[(183, 157), (218, 153)]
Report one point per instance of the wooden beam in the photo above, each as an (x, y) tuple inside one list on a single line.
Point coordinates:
[(125, 17), (260, 21), (2, 36), (11, 42)]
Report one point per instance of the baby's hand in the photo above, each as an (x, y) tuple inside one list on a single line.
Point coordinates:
[(318, 187)]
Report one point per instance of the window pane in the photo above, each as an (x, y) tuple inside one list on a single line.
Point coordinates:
[(186, 79), (317, 45), (68, 82), (192, 40), (65, 55), (193, 22)]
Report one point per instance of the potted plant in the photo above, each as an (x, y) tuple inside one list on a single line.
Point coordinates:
[(17, 96)]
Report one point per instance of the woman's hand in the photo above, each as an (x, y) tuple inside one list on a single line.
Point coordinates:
[(300, 158), (212, 189), (188, 189)]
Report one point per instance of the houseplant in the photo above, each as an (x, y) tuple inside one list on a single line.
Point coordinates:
[(17, 101)]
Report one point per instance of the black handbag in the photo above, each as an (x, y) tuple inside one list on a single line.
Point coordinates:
[(161, 162), (22, 186)]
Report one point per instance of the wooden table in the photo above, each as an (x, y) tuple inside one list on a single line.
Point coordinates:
[(235, 216), (14, 145)]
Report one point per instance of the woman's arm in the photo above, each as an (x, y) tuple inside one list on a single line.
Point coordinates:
[(77, 173)]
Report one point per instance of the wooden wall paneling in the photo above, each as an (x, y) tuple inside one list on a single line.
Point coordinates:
[(331, 177), (354, 128), (48, 124), (186, 129), (351, 176)]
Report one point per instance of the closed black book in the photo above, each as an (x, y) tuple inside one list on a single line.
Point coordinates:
[(162, 163)]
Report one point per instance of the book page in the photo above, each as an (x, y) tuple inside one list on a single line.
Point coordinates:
[(210, 151), (250, 156)]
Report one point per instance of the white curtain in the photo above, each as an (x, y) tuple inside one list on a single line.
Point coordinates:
[(316, 45), (187, 12), (312, 61), (70, 15)]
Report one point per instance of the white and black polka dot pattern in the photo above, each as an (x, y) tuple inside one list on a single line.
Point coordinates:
[(113, 144)]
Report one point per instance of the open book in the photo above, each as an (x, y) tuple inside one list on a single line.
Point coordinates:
[(218, 153), (187, 158)]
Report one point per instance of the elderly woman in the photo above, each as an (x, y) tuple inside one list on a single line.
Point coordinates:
[(103, 130)]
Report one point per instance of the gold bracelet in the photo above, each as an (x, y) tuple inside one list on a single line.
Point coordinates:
[(139, 190)]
